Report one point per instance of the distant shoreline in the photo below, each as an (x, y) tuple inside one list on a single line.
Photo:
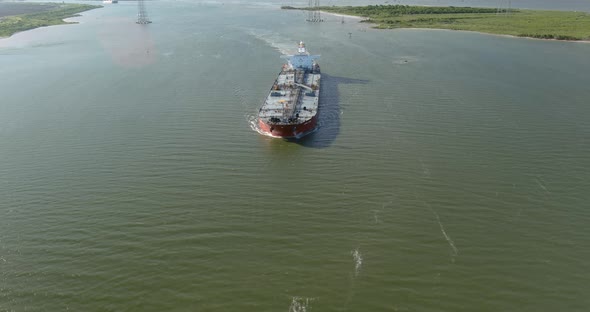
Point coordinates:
[(344, 15), (500, 35), (471, 31), (517, 23), (27, 16)]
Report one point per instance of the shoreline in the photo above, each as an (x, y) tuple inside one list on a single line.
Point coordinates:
[(343, 15), (362, 18), (484, 33), (13, 24)]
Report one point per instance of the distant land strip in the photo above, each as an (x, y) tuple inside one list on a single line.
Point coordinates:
[(556, 25), (17, 17)]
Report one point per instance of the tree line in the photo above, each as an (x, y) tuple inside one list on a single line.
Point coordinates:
[(397, 10)]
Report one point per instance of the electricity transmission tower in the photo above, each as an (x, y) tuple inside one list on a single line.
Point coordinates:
[(314, 11), (142, 17), (505, 6)]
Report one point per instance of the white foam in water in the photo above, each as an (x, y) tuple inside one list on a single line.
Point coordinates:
[(300, 304), (250, 117), (253, 122), (444, 233), (209, 3), (442, 230), (278, 42), (358, 261), (375, 216), (542, 185)]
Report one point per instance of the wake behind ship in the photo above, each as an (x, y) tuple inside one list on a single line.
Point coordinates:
[(291, 108)]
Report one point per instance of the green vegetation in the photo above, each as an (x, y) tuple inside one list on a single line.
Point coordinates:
[(558, 25), (386, 11), (46, 14)]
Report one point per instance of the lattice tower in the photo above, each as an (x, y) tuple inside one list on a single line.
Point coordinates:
[(142, 17), (314, 11)]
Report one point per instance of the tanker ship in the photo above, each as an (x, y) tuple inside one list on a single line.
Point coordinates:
[(291, 107)]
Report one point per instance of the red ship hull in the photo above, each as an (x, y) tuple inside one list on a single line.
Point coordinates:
[(288, 131)]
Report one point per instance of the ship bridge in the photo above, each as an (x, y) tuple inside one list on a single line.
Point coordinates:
[(302, 60)]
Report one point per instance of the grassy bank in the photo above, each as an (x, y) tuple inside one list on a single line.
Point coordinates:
[(32, 15), (559, 25)]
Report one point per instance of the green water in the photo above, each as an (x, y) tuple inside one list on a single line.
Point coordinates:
[(450, 171)]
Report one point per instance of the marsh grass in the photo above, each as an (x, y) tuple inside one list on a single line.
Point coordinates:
[(559, 25), (50, 14)]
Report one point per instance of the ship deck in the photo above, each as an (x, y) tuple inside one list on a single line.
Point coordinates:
[(293, 98)]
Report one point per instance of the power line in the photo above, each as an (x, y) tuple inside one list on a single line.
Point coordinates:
[(314, 11)]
